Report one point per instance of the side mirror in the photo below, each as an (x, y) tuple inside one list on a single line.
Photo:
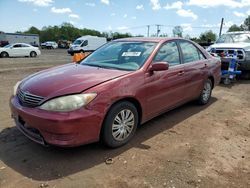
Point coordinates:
[(159, 66)]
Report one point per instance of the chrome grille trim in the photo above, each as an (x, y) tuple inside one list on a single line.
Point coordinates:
[(241, 53), (28, 99)]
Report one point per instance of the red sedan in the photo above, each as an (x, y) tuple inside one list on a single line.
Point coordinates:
[(108, 94)]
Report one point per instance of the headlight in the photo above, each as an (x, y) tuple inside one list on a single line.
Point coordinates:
[(68, 103), (15, 87)]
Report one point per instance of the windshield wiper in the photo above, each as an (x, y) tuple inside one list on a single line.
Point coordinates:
[(99, 66), (106, 67)]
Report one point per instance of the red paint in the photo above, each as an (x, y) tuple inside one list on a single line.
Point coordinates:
[(156, 92)]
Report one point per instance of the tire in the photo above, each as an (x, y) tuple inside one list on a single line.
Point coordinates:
[(116, 132), (4, 54), (33, 54), (205, 93)]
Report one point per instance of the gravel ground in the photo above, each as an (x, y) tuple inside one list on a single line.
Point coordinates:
[(191, 146)]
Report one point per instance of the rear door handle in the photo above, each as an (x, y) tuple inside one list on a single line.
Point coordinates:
[(181, 73)]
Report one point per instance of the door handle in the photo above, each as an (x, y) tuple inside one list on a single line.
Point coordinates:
[(181, 73)]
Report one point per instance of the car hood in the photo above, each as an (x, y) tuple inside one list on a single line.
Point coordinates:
[(242, 45), (67, 79)]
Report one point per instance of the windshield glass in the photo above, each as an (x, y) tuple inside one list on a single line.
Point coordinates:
[(120, 55), (232, 38), (7, 46), (77, 42)]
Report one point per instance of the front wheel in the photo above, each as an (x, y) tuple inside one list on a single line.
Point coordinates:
[(4, 54), (33, 54), (120, 124), (206, 93)]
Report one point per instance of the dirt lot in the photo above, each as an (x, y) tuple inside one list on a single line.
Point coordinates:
[(191, 146)]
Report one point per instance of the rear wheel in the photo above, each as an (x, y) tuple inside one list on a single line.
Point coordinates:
[(120, 124), (4, 54), (33, 54), (206, 93)]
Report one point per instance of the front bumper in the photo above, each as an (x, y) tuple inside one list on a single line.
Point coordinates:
[(61, 129), (71, 52)]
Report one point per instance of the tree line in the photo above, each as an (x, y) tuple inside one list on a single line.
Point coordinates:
[(245, 26), (67, 31)]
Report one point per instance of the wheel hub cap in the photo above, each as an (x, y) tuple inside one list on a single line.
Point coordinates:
[(123, 125)]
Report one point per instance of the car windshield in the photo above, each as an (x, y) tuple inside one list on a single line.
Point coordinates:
[(77, 42), (120, 55), (232, 38), (7, 46)]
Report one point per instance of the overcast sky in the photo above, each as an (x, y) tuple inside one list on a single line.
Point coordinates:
[(195, 16)]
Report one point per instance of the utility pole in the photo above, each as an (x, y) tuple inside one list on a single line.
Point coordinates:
[(221, 26), (148, 26), (158, 30)]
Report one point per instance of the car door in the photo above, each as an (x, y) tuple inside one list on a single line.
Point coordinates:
[(165, 89), (195, 65), (85, 45), (25, 50), (15, 50)]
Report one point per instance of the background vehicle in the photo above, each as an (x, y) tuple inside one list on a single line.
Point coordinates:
[(64, 44), (119, 86), (18, 50), (228, 43), (49, 45), (86, 44), (11, 38), (3, 43)]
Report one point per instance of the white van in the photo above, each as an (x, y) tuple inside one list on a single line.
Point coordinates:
[(86, 43)]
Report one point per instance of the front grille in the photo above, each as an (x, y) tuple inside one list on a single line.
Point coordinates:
[(28, 99), (230, 52)]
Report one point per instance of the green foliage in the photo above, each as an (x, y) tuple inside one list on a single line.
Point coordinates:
[(117, 35), (177, 31), (207, 36), (67, 31), (234, 27), (243, 27), (246, 24)]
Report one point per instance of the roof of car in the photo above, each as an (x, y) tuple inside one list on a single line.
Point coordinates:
[(20, 43), (238, 32), (147, 39)]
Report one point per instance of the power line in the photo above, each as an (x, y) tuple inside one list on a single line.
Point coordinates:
[(171, 26)]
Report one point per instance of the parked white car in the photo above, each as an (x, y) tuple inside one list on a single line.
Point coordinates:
[(49, 45), (18, 50)]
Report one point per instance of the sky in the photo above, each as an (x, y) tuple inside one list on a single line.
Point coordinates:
[(195, 16)]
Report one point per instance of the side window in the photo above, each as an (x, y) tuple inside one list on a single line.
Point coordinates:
[(190, 52), (85, 43), (169, 53), (17, 46), (201, 55), (24, 45)]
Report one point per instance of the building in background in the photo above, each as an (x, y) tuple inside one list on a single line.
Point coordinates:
[(9, 38)]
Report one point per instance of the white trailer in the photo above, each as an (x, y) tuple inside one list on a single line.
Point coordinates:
[(32, 39)]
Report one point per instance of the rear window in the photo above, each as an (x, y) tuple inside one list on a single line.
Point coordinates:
[(190, 52)]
